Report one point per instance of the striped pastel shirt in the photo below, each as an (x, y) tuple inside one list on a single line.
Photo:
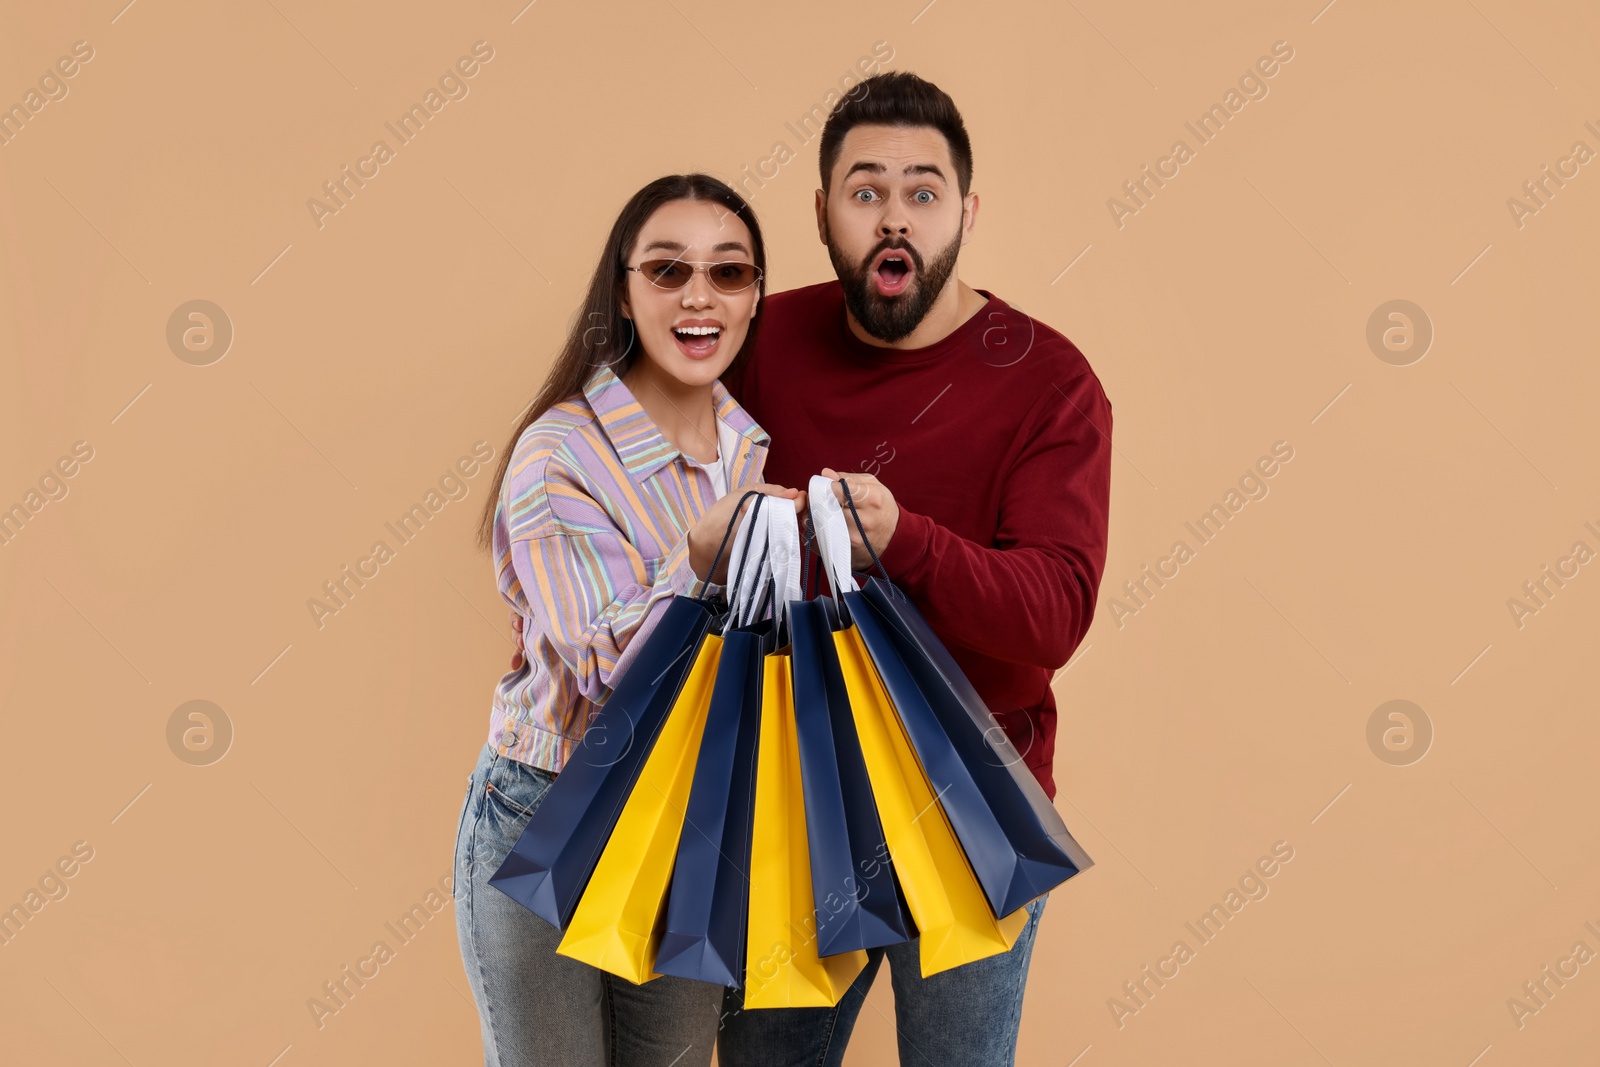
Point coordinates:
[(590, 546)]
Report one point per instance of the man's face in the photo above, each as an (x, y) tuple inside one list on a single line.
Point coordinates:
[(894, 222)]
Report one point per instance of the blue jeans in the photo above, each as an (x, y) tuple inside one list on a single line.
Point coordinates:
[(965, 1016), (534, 1006)]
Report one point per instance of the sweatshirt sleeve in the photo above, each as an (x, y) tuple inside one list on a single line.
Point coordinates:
[(1030, 597), (591, 595)]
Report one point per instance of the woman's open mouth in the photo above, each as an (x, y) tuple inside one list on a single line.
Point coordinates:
[(697, 341), (892, 271)]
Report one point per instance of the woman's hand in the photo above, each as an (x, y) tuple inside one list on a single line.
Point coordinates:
[(704, 538), (707, 534)]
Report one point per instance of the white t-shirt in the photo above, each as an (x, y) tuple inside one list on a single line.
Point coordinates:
[(720, 469)]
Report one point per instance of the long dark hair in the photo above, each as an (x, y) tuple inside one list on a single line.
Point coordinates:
[(599, 335)]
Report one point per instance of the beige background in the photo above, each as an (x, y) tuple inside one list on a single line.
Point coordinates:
[(1229, 313)]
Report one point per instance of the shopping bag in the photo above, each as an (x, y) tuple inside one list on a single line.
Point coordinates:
[(548, 868), (953, 920), (783, 968), (708, 902), (1012, 835), (618, 921), (709, 898), (852, 877)]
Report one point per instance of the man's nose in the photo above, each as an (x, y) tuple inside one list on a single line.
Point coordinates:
[(893, 222)]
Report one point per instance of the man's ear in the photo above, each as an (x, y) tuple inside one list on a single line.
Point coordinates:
[(969, 216), (822, 216)]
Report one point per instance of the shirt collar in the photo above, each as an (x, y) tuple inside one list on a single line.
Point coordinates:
[(634, 435)]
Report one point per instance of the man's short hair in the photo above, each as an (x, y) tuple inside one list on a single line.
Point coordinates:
[(897, 98)]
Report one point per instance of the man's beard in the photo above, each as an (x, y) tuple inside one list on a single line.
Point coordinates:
[(891, 318)]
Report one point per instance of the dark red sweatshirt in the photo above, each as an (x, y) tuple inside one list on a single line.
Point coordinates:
[(996, 443)]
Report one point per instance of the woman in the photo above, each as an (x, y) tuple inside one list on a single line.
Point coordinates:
[(613, 496)]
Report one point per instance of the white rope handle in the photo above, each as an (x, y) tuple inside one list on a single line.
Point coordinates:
[(783, 553), (833, 536)]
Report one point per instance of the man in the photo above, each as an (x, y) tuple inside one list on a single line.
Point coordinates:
[(977, 445)]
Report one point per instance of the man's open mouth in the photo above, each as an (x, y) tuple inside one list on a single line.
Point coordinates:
[(892, 270)]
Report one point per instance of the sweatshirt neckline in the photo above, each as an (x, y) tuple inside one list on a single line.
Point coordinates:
[(960, 337)]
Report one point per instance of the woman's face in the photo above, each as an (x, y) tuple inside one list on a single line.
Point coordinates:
[(693, 332)]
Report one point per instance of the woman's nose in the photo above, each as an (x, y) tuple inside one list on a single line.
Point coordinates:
[(697, 293)]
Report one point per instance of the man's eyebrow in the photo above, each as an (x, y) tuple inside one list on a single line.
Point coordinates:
[(910, 169)]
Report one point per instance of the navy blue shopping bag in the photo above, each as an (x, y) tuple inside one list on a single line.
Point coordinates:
[(551, 863), (1016, 841), (708, 902), (858, 905)]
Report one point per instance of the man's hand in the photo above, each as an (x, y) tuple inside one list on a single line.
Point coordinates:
[(875, 504)]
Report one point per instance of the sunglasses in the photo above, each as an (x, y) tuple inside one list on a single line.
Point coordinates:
[(730, 276)]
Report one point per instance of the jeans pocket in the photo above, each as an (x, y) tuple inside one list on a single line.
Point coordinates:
[(512, 792)]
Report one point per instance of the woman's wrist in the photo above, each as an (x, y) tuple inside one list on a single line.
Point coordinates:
[(699, 557)]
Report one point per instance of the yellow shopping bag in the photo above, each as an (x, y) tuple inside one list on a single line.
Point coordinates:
[(954, 922), (618, 922), (782, 968)]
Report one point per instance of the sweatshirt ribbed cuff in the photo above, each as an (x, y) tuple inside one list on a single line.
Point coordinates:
[(906, 556)]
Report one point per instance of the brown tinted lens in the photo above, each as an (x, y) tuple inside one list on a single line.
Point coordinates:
[(732, 277), (666, 273)]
